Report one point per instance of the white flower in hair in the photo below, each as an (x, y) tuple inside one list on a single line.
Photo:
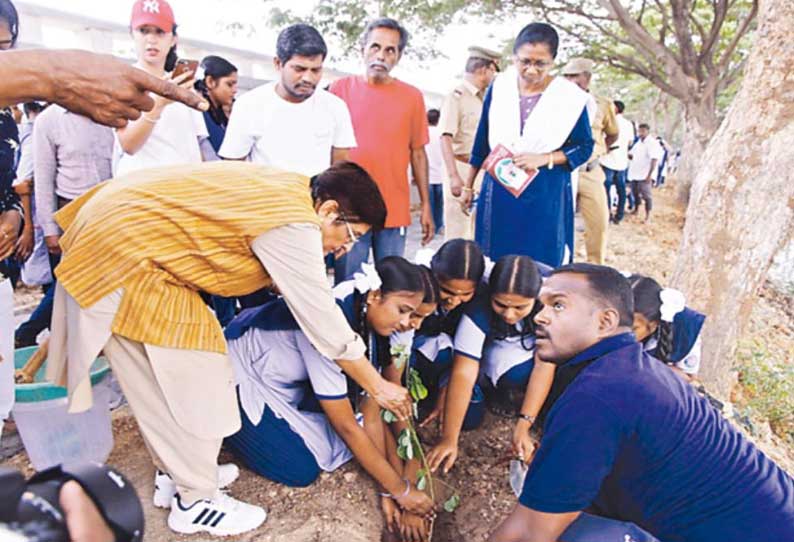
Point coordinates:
[(673, 302), (424, 256), (626, 274), (367, 279), (489, 265)]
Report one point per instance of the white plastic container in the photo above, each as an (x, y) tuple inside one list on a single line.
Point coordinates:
[(53, 436)]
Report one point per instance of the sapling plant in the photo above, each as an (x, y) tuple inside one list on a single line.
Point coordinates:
[(408, 444)]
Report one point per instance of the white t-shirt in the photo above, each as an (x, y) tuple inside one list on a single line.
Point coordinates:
[(173, 141), (267, 129), (642, 153), (618, 159), (435, 161)]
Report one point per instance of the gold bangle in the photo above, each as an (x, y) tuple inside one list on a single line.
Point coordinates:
[(467, 189)]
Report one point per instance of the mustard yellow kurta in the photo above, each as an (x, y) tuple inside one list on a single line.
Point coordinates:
[(162, 235)]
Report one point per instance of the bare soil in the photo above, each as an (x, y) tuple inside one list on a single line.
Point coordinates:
[(343, 507)]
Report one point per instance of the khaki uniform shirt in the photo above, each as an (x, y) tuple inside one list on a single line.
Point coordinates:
[(460, 116), (604, 124)]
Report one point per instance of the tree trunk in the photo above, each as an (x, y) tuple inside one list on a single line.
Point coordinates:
[(701, 121), (742, 201)]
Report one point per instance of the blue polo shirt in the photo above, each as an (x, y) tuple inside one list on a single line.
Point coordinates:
[(630, 440)]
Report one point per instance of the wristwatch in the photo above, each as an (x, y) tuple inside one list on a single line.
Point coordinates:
[(530, 419)]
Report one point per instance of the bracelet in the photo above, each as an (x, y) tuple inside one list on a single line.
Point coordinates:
[(526, 417), (467, 189), (551, 161), (404, 494), (150, 120)]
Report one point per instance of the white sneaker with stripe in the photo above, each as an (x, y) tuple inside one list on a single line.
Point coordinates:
[(221, 516), (165, 487)]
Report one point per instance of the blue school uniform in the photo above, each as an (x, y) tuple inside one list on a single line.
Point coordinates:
[(505, 354), (539, 223), (280, 375), (685, 354), (619, 442)]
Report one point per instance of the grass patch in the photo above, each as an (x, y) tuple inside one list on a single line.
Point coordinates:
[(768, 389)]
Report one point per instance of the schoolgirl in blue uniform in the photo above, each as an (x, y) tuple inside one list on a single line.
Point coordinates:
[(667, 328), (458, 266), (495, 343), (280, 375)]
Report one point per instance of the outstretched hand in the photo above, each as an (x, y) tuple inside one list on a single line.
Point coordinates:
[(107, 89)]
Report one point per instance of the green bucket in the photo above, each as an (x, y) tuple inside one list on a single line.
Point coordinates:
[(40, 390)]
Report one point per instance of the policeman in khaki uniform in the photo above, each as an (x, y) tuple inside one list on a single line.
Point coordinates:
[(590, 193), (460, 116)]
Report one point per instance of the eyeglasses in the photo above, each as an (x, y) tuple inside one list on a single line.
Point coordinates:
[(539, 65), (351, 234)]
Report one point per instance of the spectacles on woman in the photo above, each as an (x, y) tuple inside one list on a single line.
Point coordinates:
[(350, 233), (539, 65)]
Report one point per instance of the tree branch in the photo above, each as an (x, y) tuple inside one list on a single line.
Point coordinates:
[(725, 60), (680, 15), (640, 37), (707, 50)]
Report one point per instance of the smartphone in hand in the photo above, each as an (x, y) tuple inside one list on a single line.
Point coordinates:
[(183, 65)]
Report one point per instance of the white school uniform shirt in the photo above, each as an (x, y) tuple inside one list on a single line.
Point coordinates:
[(642, 153), (435, 160), (267, 129), (271, 367), (496, 357), (691, 362), (618, 159), (173, 141)]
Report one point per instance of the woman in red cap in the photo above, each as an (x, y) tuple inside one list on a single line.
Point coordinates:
[(168, 134)]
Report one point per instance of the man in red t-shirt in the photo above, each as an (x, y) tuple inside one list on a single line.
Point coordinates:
[(391, 130)]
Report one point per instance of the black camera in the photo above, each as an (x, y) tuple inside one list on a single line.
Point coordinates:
[(30, 510)]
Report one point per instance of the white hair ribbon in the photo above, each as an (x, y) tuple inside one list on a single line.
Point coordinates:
[(673, 302), (367, 279), (489, 265), (424, 256)]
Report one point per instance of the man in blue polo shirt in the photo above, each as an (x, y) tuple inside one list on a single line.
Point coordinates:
[(629, 442)]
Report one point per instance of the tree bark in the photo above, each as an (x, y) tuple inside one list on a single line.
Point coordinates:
[(742, 201), (701, 122)]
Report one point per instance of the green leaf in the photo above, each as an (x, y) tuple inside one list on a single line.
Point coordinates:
[(415, 385), (400, 354), (421, 482), (388, 416), (405, 447), (451, 504)]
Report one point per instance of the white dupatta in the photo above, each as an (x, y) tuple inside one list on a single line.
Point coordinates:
[(548, 125)]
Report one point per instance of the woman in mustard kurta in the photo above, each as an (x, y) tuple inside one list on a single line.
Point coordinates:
[(137, 251)]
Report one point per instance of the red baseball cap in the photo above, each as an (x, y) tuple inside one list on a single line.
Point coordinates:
[(154, 12)]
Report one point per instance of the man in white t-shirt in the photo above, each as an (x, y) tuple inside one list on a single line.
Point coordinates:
[(644, 155), (289, 123), (616, 162), (435, 169)]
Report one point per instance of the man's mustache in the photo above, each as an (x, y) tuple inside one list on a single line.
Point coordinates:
[(542, 333), (378, 64)]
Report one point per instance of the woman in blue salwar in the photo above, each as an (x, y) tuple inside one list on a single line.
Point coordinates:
[(543, 121), (295, 404)]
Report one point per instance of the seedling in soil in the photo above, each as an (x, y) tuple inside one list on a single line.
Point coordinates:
[(408, 444)]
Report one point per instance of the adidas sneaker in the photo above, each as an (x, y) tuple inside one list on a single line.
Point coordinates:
[(165, 487), (220, 516)]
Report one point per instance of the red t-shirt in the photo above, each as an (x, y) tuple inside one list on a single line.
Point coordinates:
[(389, 121)]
